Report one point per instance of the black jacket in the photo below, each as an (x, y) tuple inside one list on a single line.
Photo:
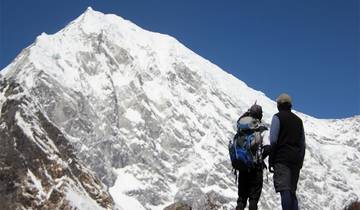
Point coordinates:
[(290, 146)]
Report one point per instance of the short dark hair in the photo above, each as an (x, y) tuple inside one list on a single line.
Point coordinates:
[(256, 111)]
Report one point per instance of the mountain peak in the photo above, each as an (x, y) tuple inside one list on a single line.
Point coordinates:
[(91, 12), (89, 9)]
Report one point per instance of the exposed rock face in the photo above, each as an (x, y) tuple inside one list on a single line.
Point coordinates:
[(151, 119), (38, 167), (178, 206)]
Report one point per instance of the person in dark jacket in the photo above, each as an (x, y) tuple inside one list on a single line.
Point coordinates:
[(287, 139), (250, 182)]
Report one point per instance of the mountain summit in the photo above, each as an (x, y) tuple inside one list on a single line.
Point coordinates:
[(147, 116)]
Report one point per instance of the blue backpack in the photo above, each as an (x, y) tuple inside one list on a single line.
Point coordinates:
[(245, 148)]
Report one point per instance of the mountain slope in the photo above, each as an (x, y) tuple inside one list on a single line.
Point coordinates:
[(39, 169), (152, 119)]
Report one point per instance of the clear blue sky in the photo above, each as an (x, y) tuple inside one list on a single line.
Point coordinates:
[(308, 48)]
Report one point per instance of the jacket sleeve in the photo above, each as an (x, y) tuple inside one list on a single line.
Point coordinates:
[(274, 133), (274, 130)]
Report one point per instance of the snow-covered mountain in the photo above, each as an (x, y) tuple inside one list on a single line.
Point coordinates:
[(151, 119)]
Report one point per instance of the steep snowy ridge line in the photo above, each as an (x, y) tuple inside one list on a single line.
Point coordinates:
[(93, 22), (152, 119)]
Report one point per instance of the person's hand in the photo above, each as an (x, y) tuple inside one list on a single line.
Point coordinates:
[(271, 169), (262, 128), (271, 165)]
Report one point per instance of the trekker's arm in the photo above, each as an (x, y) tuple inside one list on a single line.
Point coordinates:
[(274, 133), (265, 145), (274, 130), (266, 151)]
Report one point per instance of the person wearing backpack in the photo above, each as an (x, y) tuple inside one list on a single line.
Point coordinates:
[(287, 140), (247, 153)]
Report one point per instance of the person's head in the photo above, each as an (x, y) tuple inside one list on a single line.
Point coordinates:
[(255, 111), (284, 102)]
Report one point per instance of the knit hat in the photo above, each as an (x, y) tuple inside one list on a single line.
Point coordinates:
[(284, 98)]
